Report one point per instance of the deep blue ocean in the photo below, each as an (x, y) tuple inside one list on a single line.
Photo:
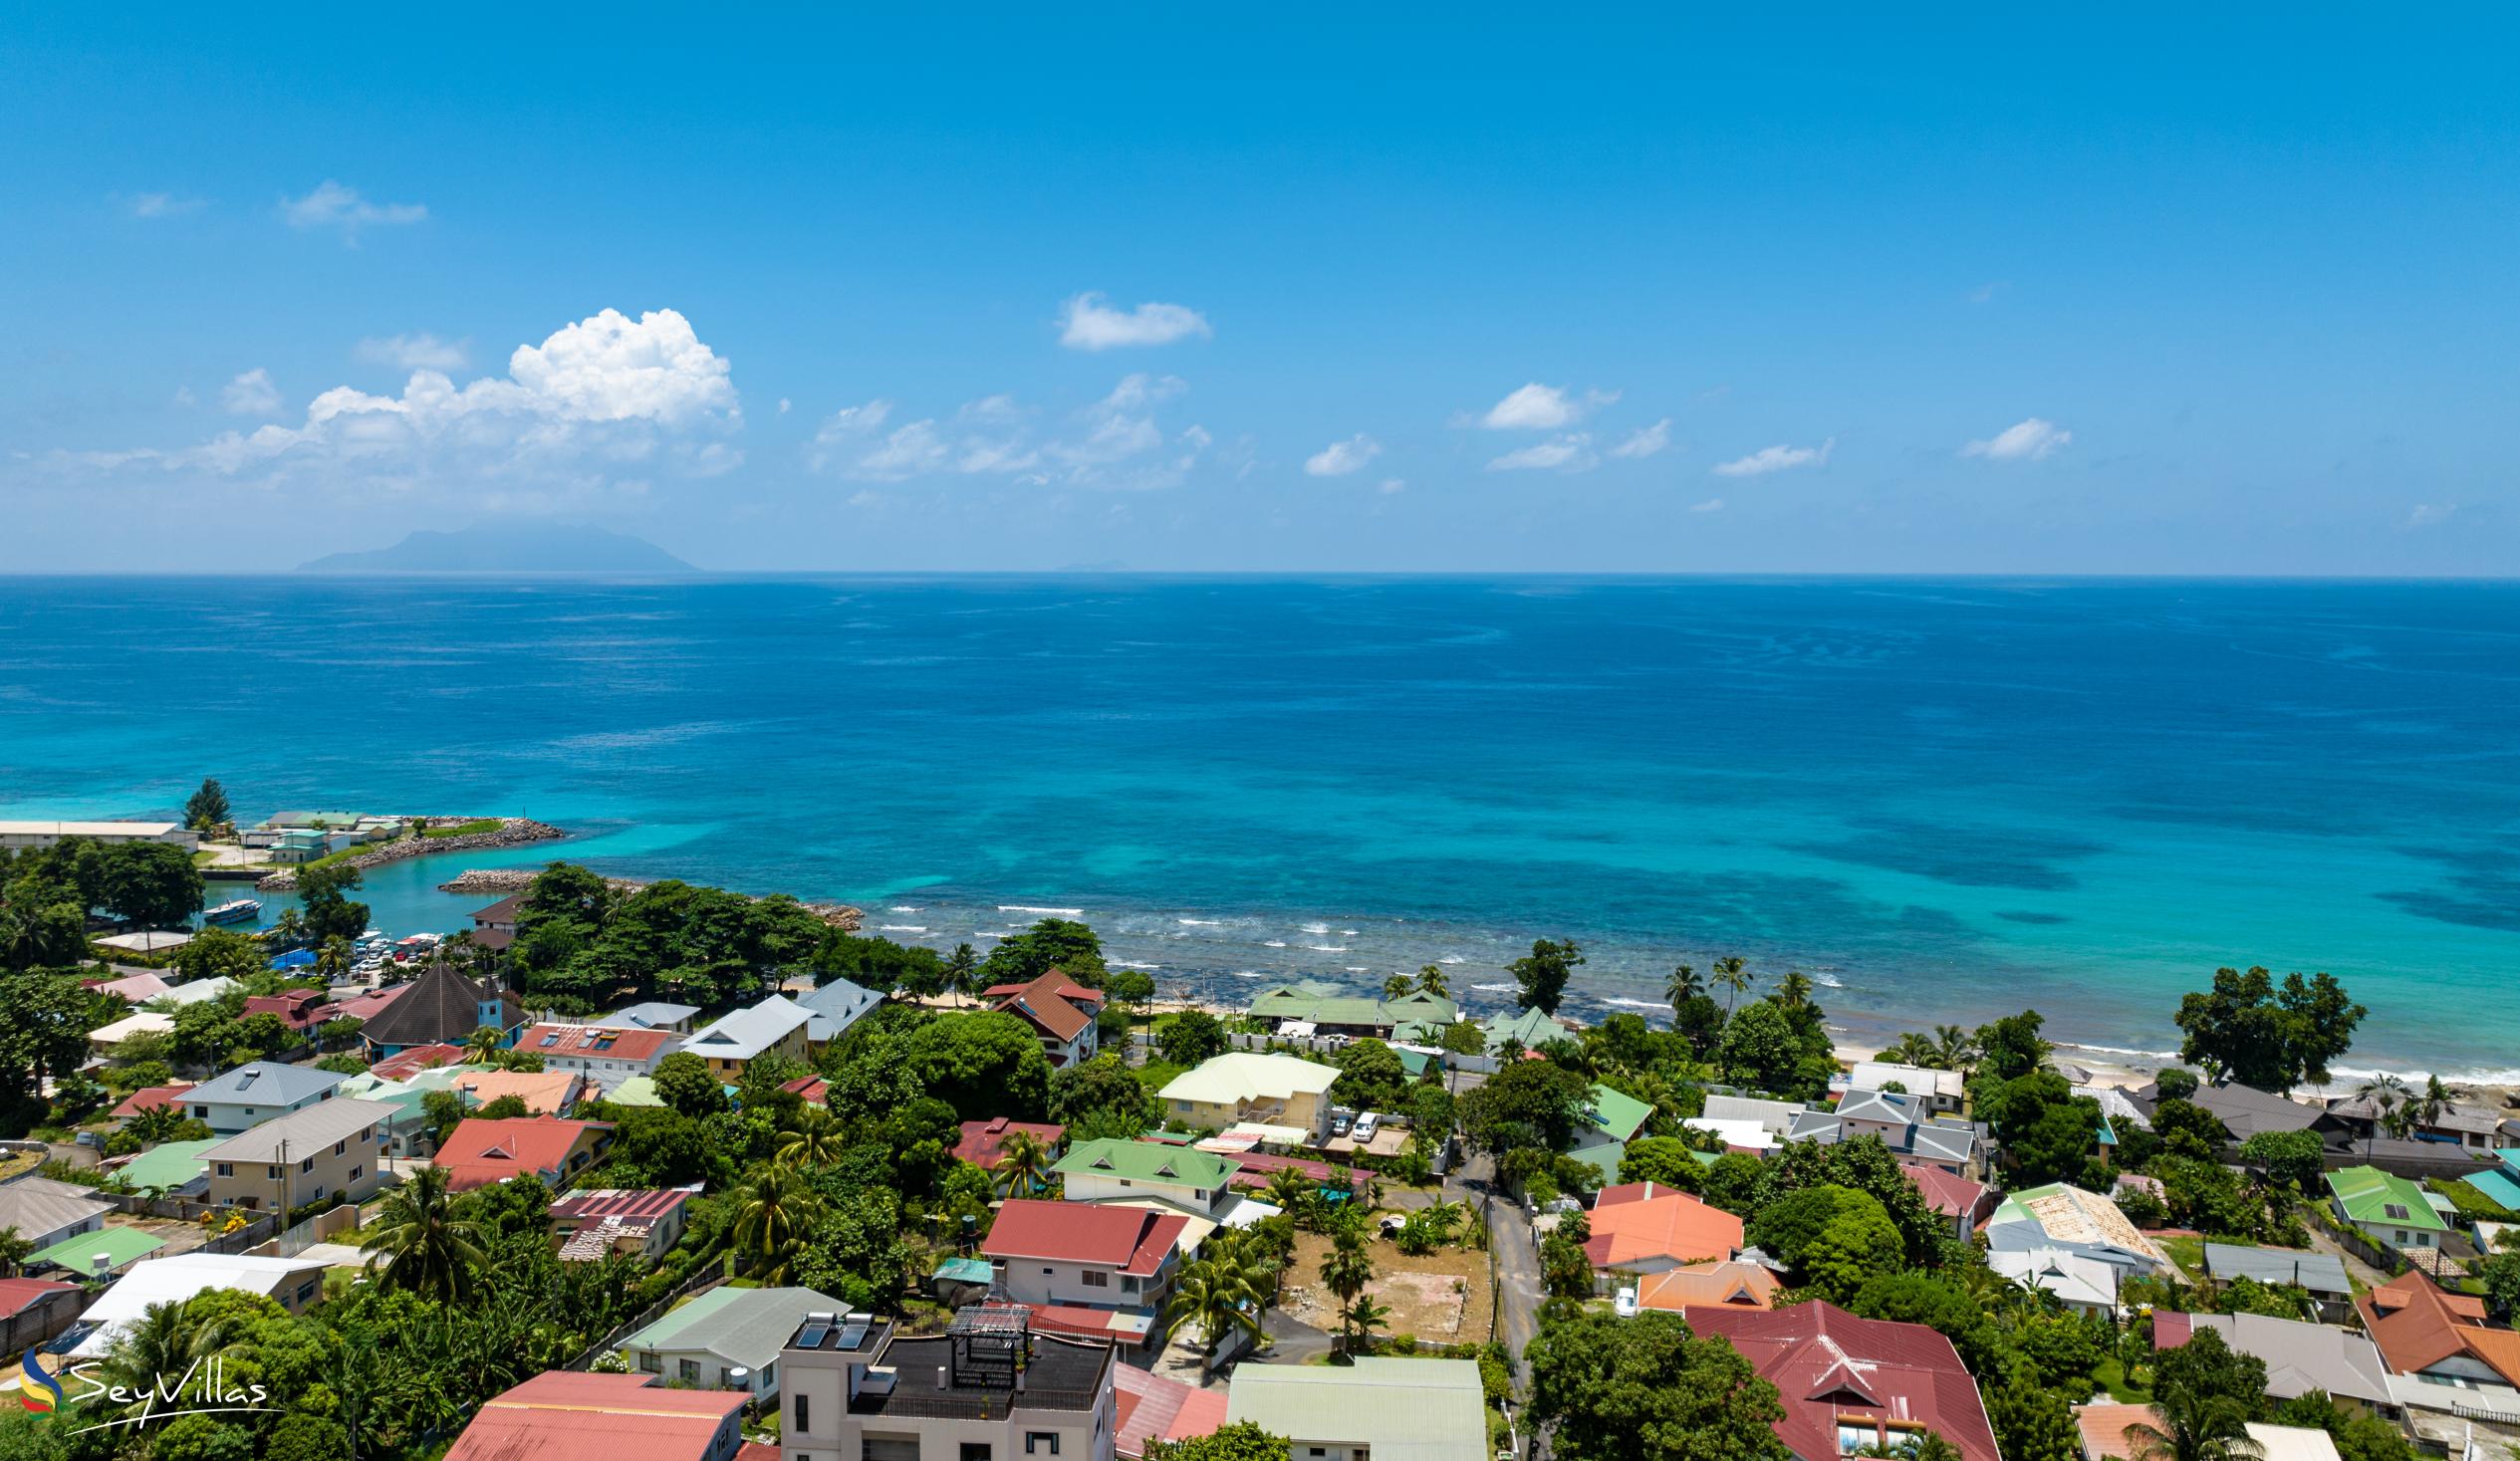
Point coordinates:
[(1945, 800)]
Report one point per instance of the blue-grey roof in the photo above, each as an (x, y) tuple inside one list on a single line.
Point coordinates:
[(748, 1032), (2319, 1273), (264, 1083), (651, 1015), (835, 1007)]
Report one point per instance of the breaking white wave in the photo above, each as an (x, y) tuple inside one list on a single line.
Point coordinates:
[(900, 909), (1497, 988), (1327, 948), (1315, 928), (1045, 912), (1621, 999), (986, 933), (1200, 922), (1274, 943), (1128, 964), (1452, 959), (1249, 974), (1356, 968), (1827, 981), (900, 928), (1347, 934)]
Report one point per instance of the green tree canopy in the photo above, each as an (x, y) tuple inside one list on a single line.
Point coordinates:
[(1543, 973), (2250, 1029), (1613, 1389)]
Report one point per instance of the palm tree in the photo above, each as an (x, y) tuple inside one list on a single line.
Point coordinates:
[(2387, 1093), (1348, 1268), (1224, 1291), (2194, 1427), (1360, 1320), (155, 1124), (2428, 1107), (429, 1251), (1397, 987), (14, 1247), (1023, 1164), (1912, 1049), (482, 1044), (813, 1140), (288, 929), (1292, 1193), (1431, 980), (1732, 973), (165, 1341), (1956, 1048), (1794, 990), (1682, 987), (772, 1213), (332, 961)]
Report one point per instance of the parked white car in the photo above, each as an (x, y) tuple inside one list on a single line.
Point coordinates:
[(1624, 1305), (1367, 1125)]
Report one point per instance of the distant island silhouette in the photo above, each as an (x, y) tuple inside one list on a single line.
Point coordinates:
[(508, 547)]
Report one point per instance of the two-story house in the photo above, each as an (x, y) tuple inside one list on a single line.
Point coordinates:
[(329, 1151), (1083, 1255), (254, 1092), (1902, 1124), (480, 1151), (561, 1415), (1248, 1086), (604, 1053), (776, 1026), (1060, 1011), (987, 1389)]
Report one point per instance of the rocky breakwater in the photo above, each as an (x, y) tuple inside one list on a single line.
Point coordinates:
[(512, 832), (502, 881)]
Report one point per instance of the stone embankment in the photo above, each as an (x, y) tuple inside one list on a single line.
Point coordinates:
[(502, 881), (512, 832)]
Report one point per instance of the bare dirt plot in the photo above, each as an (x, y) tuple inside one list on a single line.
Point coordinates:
[(1442, 1295)]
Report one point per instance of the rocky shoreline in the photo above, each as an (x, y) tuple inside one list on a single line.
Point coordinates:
[(503, 880), (512, 832)]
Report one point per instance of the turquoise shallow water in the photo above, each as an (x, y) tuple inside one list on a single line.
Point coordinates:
[(1948, 798)]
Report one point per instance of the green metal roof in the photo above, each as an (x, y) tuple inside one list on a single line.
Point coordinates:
[(168, 1164), (1604, 1158), (2370, 1196), (1616, 1113), (78, 1253), (636, 1091), (1290, 1001), (745, 1326), (1530, 1026), (1146, 1162)]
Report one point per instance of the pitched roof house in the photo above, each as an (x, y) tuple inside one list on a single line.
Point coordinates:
[(1726, 1284), (984, 1142), (1846, 1382), (478, 1151), (2422, 1329), (2059, 1216), (563, 1415), (2300, 1357), (776, 1026), (1059, 1010), (1641, 1227), (255, 1092), (1383, 1406), (1154, 1408), (1964, 1202), (441, 1006), (835, 1007), (415, 1060), (2387, 1208), (726, 1337), (1902, 1123)]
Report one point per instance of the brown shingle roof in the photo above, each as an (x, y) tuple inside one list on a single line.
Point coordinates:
[(441, 1005)]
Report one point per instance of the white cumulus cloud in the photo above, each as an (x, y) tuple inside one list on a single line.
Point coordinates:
[(1711, 504), (1085, 323), (1777, 459), (162, 205), (420, 352), (1572, 452), (2428, 514), (1538, 407), (1393, 486), (251, 395), (571, 414), (2030, 440), (332, 205), (1646, 441), (1339, 459), (1114, 444)]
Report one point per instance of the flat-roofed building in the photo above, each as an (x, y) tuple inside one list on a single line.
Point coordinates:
[(17, 834), (989, 1387)]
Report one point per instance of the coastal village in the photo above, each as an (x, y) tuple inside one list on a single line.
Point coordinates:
[(685, 1175)]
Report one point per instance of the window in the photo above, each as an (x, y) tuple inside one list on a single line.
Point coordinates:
[(358, 1173), (1095, 1277), (307, 1165), (1041, 1443), (272, 1173), (801, 1424), (975, 1451), (227, 1169), (2395, 1212), (648, 1362), (201, 1114), (691, 1371), (305, 1290), (340, 1147)]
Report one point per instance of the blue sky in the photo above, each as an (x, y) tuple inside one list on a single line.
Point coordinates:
[(1428, 289)]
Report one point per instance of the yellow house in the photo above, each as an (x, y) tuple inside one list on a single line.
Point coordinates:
[(1270, 1090), (776, 1026), (328, 1151)]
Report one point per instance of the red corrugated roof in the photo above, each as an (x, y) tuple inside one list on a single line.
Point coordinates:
[(149, 1095), (1153, 1409), (1830, 1366), (1635, 1228), (620, 1203), (481, 1152), (812, 1090), (563, 1416), (1257, 1166), (17, 1295), (1947, 1194), (1130, 1240), (628, 1043), (983, 1142), (415, 1060)]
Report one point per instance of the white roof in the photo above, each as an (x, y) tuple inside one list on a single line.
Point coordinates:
[(1915, 1080), (1777, 1115), (143, 1022), (1250, 1076), (89, 829), (1740, 1131), (2073, 1277), (149, 942), (199, 990), (174, 1280), (748, 1032), (1262, 1131), (2292, 1443)]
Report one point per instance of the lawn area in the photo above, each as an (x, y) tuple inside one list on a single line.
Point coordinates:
[(2188, 1254), (473, 827), (2112, 1378)]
